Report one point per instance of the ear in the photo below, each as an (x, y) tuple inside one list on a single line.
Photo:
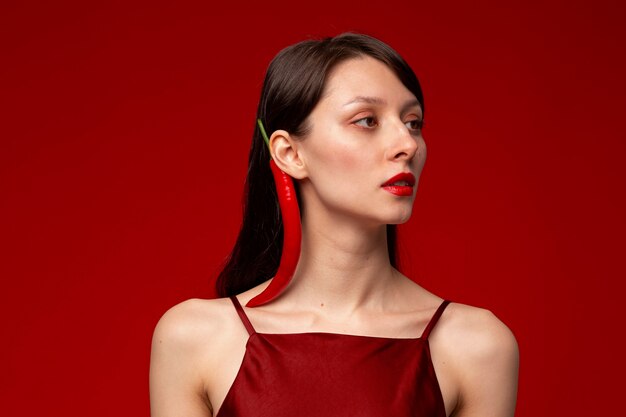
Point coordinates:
[(285, 152)]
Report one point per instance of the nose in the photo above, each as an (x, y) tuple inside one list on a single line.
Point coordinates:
[(404, 144)]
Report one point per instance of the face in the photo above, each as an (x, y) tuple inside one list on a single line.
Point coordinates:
[(365, 130)]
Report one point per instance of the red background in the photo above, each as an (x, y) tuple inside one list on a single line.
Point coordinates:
[(123, 151)]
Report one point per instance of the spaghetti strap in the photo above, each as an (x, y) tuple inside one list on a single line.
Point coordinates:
[(242, 315), (433, 320)]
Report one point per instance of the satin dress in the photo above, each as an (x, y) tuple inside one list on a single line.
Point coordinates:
[(335, 375)]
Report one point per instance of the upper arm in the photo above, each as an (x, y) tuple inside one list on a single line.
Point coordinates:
[(489, 373), (176, 384)]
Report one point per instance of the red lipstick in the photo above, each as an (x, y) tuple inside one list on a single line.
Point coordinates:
[(400, 184)]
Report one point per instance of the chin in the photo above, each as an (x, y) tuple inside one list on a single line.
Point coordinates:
[(400, 221), (401, 218)]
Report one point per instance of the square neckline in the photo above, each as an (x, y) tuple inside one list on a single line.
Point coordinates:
[(334, 334)]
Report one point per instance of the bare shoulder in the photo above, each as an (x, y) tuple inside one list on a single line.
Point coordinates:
[(190, 320), (200, 328), (483, 358), (479, 332), (188, 343)]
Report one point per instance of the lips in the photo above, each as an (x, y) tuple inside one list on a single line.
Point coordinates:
[(400, 184), (403, 178)]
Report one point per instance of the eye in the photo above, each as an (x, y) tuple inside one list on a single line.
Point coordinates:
[(367, 122), (415, 124)]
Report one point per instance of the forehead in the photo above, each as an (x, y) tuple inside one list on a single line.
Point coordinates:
[(364, 77)]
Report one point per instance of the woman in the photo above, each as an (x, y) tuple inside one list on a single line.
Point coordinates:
[(345, 333)]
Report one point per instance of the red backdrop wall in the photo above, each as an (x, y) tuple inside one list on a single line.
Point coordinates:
[(123, 152)]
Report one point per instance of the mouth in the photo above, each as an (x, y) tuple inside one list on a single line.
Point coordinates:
[(403, 179), (400, 185)]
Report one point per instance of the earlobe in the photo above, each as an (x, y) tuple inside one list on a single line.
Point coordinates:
[(286, 154)]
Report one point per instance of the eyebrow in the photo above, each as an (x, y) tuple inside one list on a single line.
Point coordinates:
[(380, 101), (366, 99)]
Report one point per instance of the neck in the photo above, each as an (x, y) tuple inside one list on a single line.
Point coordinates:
[(343, 267)]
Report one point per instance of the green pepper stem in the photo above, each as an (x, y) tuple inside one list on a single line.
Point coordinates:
[(264, 134)]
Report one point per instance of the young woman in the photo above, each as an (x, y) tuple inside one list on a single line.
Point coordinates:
[(338, 330)]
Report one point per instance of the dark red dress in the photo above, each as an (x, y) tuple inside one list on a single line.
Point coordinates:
[(334, 375)]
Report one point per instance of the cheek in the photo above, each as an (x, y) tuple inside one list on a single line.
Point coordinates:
[(341, 164), (422, 151)]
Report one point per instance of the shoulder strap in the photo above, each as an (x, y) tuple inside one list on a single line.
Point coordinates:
[(242, 315), (433, 320)]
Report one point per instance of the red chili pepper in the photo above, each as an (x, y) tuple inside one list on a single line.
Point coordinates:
[(292, 232)]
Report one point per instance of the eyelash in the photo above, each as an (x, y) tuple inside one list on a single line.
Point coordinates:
[(362, 119), (420, 122)]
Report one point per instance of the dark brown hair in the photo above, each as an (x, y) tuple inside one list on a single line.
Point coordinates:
[(293, 85)]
